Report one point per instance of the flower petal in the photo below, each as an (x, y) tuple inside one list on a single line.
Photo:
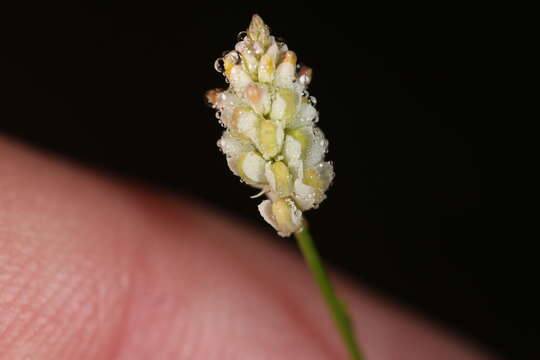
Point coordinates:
[(304, 195), (251, 166)]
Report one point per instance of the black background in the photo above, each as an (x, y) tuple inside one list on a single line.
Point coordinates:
[(412, 211)]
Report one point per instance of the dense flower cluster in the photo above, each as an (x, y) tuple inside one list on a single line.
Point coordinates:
[(270, 138)]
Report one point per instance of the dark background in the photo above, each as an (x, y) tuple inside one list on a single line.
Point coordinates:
[(414, 211)]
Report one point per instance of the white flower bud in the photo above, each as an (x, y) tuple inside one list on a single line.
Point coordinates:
[(238, 78), (309, 191), (304, 195), (286, 70), (279, 178), (251, 168), (246, 122), (271, 140), (258, 98), (304, 138), (248, 58), (271, 137), (234, 146), (284, 106), (267, 65), (258, 30), (283, 215), (292, 153)]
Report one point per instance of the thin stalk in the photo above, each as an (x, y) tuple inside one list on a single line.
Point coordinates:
[(337, 308)]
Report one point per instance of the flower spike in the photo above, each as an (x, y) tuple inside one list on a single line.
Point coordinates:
[(270, 138)]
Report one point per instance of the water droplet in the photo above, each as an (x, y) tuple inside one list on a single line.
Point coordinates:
[(313, 100), (304, 74), (241, 36), (233, 56), (305, 93), (218, 114), (242, 47), (219, 65), (304, 79), (298, 66)]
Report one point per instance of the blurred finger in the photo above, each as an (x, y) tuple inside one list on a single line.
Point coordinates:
[(91, 268)]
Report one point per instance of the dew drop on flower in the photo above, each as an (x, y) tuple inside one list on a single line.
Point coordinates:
[(304, 74), (304, 79), (219, 65), (241, 35), (236, 57), (242, 47), (313, 100)]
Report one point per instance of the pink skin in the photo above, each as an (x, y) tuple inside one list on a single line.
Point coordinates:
[(93, 268)]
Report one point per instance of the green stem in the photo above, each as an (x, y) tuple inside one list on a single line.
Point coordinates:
[(337, 308)]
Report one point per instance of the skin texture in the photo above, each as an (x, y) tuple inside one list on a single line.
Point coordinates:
[(93, 268)]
